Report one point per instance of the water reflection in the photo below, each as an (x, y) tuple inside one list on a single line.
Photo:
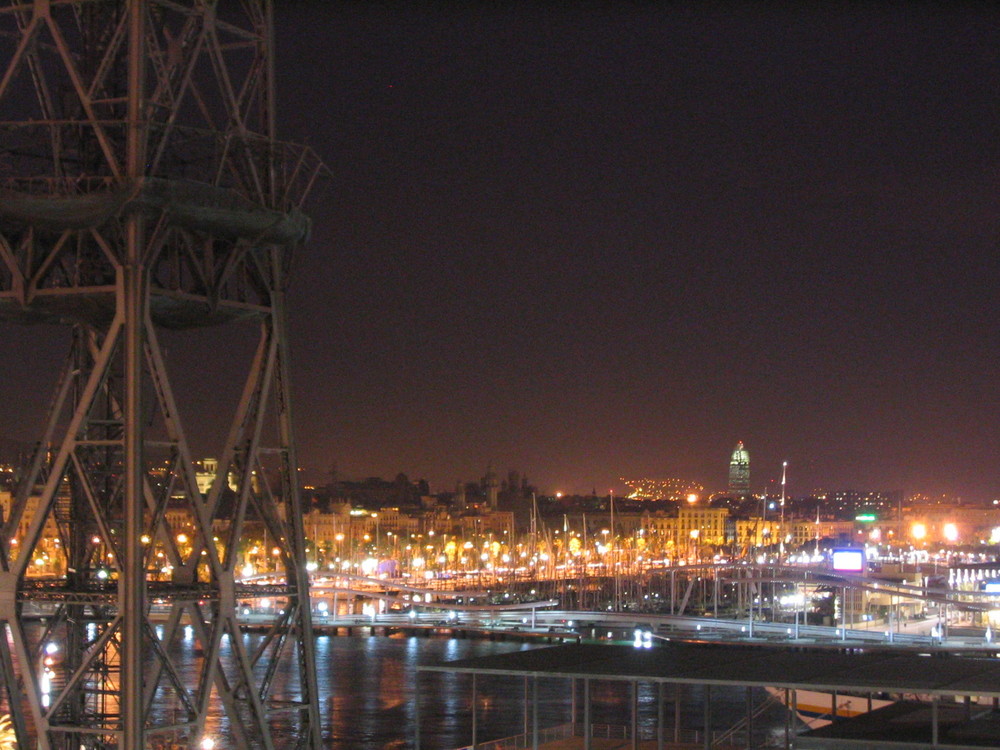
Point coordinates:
[(368, 688)]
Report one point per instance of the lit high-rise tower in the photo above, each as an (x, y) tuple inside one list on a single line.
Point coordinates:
[(739, 470)]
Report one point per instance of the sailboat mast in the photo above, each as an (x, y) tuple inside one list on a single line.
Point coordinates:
[(816, 549), (781, 546), (534, 531)]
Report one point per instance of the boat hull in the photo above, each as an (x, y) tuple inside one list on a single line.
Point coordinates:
[(817, 708)]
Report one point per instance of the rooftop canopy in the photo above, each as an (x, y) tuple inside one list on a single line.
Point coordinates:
[(749, 666)]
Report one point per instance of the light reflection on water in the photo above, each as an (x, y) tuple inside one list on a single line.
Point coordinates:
[(368, 688)]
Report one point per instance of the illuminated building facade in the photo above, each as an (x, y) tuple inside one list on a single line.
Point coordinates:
[(707, 525), (690, 526), (739, 471)]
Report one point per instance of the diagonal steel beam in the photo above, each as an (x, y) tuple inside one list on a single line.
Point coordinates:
[(93, 121), (95, 379), (27, 38)]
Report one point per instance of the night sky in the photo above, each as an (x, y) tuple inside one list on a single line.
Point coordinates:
[(595, 240)]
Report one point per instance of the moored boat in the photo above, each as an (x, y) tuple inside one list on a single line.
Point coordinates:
[(818, 708)]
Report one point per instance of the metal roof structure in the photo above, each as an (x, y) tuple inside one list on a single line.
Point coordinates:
[(749, 666), (931, 722)]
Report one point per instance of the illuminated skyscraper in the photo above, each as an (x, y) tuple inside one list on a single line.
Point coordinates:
[(739, 471)]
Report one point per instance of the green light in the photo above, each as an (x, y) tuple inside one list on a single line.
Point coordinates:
[(866, 517)]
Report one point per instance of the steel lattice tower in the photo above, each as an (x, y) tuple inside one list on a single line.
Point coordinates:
[(142, 189)]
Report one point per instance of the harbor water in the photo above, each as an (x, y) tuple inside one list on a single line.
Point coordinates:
[(369, 688)]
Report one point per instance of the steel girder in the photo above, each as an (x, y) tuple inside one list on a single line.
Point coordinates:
[(141, 188)]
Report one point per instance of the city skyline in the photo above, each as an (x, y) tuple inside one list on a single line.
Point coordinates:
[(587, 242)]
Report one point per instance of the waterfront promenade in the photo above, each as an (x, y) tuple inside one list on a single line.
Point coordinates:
[(573, 626), (596, 743)]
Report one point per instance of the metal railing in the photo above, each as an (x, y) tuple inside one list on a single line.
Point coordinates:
[(688, 737)]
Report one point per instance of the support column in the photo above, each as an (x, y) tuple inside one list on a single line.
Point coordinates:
[(659, 715), (707, 739), (634, 700), (416, 715), (843, 613), (534, 712), (475, 700), (132, 582), (299, 577), (527, 708), (677, 712), (587, 730), (132, 585), (749, 721), (790, 704), (572, 705), (935, 702), (715, 593)]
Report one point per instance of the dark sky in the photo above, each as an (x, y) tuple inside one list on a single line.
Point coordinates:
[(594, 240)]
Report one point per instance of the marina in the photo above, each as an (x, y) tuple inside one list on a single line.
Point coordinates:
[(618, 247)]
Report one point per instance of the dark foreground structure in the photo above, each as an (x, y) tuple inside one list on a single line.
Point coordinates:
[(945, 716), (142, 190)]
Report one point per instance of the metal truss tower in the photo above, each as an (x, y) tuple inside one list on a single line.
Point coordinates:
[(142, 190)]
